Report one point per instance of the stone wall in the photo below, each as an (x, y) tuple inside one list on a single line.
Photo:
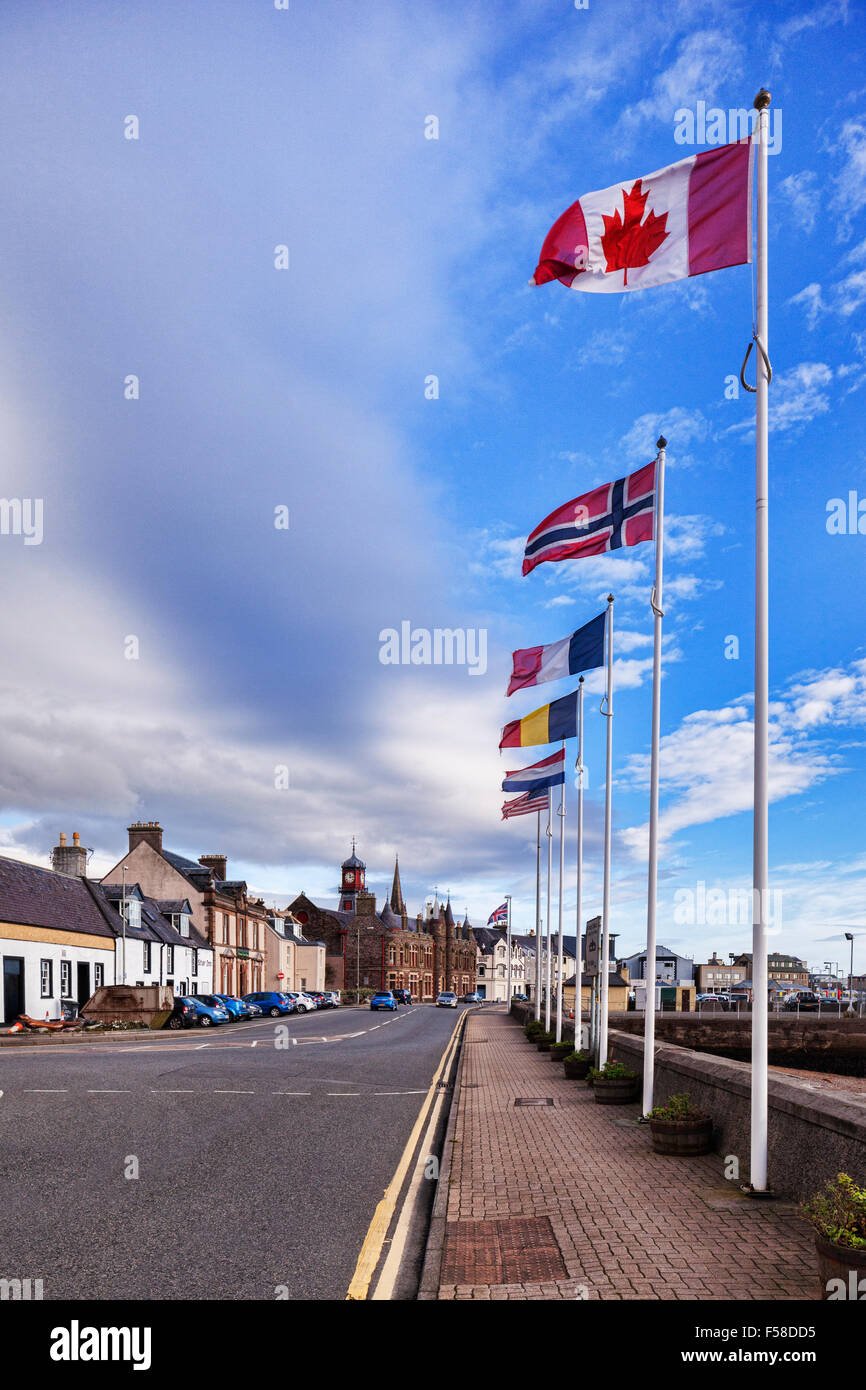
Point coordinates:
[(813, 1134)]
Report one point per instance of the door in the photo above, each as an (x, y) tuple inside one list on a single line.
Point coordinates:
[(13, 987), (84, 991)]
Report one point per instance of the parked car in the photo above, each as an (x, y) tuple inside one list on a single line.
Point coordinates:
[(332, 997), (383, 1000), (523, 999), (269, 1002), (208, 1014), (709, 1001), (447, 1000), (403, 996), (301, 1003), (473, 998), (216, 1001), (804, 1000), (317, 996), (238, 1008), (183, 1014)]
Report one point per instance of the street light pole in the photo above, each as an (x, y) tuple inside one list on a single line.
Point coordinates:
[(849, 1012)]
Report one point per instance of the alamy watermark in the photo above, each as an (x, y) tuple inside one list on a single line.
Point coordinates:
[(439, 646), (714, 126), (720, 907), (22, 516)]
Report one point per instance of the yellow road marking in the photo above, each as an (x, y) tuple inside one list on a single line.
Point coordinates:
[(374, 1240)]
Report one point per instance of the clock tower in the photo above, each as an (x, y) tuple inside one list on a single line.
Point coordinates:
[(352, 873)]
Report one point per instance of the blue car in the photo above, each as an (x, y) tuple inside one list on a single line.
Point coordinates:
[(384, 1000), (207, 1014), (238, 1008), (269, 1002)]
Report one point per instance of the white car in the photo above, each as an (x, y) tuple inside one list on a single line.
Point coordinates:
[(302, 1002), (446, 1000)]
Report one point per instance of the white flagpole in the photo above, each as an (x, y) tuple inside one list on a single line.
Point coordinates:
[(547, 925), (760, 862), (508, 935), (559, 956), (578, 972), (607, 709), (537, 1010), (649, 1020)]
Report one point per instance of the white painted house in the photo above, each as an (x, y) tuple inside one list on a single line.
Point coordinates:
[(160, 945)]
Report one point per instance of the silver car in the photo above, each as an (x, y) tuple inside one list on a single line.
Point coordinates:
[(446, 1000)]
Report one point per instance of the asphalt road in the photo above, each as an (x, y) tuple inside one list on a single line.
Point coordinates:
[(261, 1149)]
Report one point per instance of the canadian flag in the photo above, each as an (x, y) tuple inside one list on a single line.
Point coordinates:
[(693, 216)]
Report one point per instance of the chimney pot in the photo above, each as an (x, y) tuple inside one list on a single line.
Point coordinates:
[(75, 837), (63, 837)]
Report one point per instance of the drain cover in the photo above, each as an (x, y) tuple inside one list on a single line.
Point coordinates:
[(519, 1250), (533, 1100)]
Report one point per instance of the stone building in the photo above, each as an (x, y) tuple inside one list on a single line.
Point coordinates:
[(221, 909), (388, 949)]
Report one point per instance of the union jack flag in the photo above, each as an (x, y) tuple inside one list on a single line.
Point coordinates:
[(617, 514), (499, 915)]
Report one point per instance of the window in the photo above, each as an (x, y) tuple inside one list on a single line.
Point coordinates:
[(66, 979), (169, 960), (98, 975), (225, 918), (131, 910), (242, 931), (180, 922), (194, 970), (46, 976), (146, 954)]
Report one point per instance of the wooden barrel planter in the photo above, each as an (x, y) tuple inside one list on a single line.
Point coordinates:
[(682, 1138), (842, 1271), (617, 1091), (543, 1043), (576, 1071), (559, 1051)]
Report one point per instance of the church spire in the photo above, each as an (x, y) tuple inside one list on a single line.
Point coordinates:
[(397, 903)]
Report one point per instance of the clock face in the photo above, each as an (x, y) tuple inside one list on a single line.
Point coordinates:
[(350, 877)]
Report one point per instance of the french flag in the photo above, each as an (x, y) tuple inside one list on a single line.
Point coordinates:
[(582, 651), (686, 219)]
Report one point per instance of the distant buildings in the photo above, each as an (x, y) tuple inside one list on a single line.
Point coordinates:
[(388, 949), (492, 968)]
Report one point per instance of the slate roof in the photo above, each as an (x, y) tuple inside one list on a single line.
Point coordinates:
[(488, 937), (36, 897), (155, 926), (390, 919)]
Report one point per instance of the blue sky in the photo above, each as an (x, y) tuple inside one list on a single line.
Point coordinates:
[(304, 388)]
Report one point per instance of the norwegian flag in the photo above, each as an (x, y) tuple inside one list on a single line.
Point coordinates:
[(522, 806), (499, 915), (617, 514)]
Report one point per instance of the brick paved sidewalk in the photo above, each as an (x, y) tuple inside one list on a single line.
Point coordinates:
[(542, 1200)]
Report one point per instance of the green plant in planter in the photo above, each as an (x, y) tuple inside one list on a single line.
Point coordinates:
[(533, 1028), (612, 1071), (838, 1213), (678, 1107), (561, 1047), (580, 1056)]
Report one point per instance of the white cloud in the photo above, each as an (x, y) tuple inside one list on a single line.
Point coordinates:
[(680, 426), (706, 763), (799, 193), (849, 197), (702, 58), (812, 300)]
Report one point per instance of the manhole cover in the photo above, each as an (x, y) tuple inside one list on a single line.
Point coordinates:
[(533, 1100), (511, 1251)]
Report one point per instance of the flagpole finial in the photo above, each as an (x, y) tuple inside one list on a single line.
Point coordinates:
[(580, 682), (762, 100), (661, 442), (610, 598)]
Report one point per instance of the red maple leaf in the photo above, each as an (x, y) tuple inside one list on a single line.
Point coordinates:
[(627, 241)]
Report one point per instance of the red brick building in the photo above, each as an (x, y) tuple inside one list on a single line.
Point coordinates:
[(389, 950)]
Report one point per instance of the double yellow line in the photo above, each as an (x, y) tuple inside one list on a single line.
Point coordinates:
[(374, 1240)]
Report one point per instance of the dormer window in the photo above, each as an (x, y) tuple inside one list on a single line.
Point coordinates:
[(131, 910), (180, 922)]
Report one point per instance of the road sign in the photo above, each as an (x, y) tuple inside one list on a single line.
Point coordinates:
[(593, 932)]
